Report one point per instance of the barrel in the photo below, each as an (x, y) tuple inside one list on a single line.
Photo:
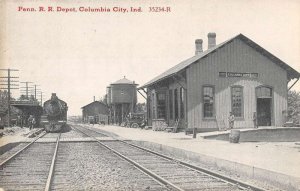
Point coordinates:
[(234, 136)]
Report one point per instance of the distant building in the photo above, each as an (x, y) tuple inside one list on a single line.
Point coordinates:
[(92, 111), (236, 76)]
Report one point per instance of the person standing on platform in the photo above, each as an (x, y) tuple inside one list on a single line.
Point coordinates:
[(231, 120), (30, 121), (23, 122), (33, 122), (19, 120)]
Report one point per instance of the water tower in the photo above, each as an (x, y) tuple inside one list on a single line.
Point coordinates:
[(122, 99)]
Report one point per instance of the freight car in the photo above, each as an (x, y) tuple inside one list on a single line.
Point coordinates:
[(54, 117)]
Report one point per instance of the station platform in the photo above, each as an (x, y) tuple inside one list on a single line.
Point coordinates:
[(277, 161), (262, 134)]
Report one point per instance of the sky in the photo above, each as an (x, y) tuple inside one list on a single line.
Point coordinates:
[(77, 54)]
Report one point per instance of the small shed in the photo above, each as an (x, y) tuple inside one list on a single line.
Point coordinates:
[(92, 111), (27, 108)]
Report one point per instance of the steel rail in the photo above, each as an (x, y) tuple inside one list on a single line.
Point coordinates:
[(145, 170), (196, 168), (50, 175), (18, 152), (215, 175)]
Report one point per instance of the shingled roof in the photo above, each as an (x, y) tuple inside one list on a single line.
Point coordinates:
[(292, 73)]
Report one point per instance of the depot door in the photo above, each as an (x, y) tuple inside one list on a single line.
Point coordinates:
[(264, 111), (264, 106)]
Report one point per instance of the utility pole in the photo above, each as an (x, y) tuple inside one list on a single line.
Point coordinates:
[(26, 88), (8, 88), (41, 96), (35, 91)]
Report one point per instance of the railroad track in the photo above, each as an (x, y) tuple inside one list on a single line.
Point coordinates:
[(15, 151), (89, 166), (174, 174), (76, 165), (93, 165), (28, 169), (88, 132)]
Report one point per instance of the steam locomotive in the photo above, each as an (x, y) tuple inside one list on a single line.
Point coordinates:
[(54, 116)]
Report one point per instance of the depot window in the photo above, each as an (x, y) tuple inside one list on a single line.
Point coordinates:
[(161, 105), (237, 101), (208, 101)]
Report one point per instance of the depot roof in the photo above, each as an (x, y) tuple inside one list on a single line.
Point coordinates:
[(292, 73)]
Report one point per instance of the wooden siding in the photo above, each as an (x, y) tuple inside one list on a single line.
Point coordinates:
[(151, 101), (94, 109), (123, 93), (234, 57), (173, 86)]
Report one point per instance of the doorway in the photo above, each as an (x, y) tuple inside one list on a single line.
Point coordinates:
[(264, 106), (264, 111)]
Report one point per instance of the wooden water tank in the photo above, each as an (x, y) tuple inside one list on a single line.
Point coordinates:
[(123, 91)]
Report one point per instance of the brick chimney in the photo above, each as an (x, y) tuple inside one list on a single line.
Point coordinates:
[(211, 40), (198, 43)]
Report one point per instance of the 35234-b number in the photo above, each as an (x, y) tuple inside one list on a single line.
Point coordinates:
[(159, 9)]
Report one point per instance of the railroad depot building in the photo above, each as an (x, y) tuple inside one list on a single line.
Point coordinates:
[(93, 112), (236, 76)]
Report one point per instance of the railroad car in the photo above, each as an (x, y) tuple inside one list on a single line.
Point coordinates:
[(54, 116)]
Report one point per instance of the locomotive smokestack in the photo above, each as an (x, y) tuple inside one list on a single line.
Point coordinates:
[(94, 98), (53, 96)]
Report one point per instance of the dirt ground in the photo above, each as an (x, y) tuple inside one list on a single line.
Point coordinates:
[(13, 135)]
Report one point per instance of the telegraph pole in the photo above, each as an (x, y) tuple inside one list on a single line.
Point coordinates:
[(41, 98), (26, 88), (31, 90), (40, 95), (8, 88), (35, 91)]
